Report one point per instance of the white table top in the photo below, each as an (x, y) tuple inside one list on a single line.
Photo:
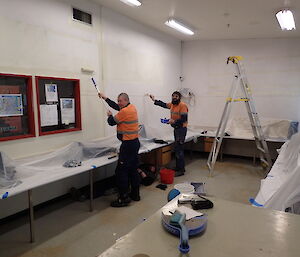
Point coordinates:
[(213, 134), (233, 230)]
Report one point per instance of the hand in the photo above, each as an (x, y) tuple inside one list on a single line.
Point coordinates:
[(171, 121), (152, 97), (109, 113), (101, 95)]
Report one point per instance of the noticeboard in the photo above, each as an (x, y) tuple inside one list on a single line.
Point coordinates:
[(16, 110), (58, 101)]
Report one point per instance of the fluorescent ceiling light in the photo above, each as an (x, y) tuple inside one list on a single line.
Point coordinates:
[(286, 20), (179, 26), (132, 2)]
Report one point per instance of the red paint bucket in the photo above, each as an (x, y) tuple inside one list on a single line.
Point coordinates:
[(167, 176)]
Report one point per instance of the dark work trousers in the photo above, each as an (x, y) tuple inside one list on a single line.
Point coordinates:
[(126, 171), (179, 135)]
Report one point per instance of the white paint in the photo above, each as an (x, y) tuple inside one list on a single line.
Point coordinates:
[(272, 67)]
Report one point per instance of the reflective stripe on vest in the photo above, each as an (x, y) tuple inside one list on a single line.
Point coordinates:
[(128, 132), (125, 122), (179, 113), (129, 122)]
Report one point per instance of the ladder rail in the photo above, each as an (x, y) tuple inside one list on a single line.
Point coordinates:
[(253, 115), (213, 155), (261, 144)]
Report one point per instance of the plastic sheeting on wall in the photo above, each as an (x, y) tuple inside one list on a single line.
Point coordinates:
[(272, 128)]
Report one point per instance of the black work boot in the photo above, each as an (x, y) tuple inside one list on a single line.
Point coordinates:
[(135, 194), (122, 201), (179, 173)]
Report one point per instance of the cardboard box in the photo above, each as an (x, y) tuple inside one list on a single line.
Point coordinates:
[(162, 155), (208, 142), (166, 155)]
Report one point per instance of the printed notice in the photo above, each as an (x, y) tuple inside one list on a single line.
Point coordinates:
[(51, 93), (67, 110), (11, 105), (49, 115)]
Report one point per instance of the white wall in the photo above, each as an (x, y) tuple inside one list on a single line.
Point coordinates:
[(39, 37), (272, 67), (139, 61)]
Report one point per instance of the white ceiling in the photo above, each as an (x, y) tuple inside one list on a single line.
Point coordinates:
[(213, 19)]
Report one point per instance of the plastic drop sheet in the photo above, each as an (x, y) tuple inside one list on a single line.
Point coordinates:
[(280, 189), (272, 128), (27, 173), (8, 172)]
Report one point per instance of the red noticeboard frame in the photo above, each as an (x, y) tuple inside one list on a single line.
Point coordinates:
[(77, 106), (31, 126)]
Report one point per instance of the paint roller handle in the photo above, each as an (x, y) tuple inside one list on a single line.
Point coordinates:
[(101, 95), (152, 97), (95, 85)]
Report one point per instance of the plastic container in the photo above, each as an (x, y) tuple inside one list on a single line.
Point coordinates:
[(167, 176), (185, 188)]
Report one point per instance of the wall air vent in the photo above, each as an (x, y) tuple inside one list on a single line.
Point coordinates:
[(84, 17)]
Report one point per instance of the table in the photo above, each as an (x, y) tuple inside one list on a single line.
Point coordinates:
[(239, 146), (44, 178), (233, 230)]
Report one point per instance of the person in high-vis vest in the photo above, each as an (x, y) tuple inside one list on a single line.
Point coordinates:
[(127, 177), (179, 121)]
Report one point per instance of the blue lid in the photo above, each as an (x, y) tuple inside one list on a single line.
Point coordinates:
[(5, 195)]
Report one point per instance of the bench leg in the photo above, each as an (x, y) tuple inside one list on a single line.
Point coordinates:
[(91, 190), (31, 216)]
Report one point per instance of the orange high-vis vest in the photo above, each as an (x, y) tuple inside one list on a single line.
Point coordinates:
[(177, 111), (127, 122)]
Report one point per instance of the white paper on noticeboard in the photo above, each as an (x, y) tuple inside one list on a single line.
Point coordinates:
[(67, 107), (51, 93), (11, 105), (49, 115)]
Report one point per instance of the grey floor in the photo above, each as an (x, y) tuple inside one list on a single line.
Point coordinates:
[(68, 229)]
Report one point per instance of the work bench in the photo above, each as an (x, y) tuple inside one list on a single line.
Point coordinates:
[(233, 230)]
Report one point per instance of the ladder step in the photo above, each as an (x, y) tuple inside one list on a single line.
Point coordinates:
[(255, 126)]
